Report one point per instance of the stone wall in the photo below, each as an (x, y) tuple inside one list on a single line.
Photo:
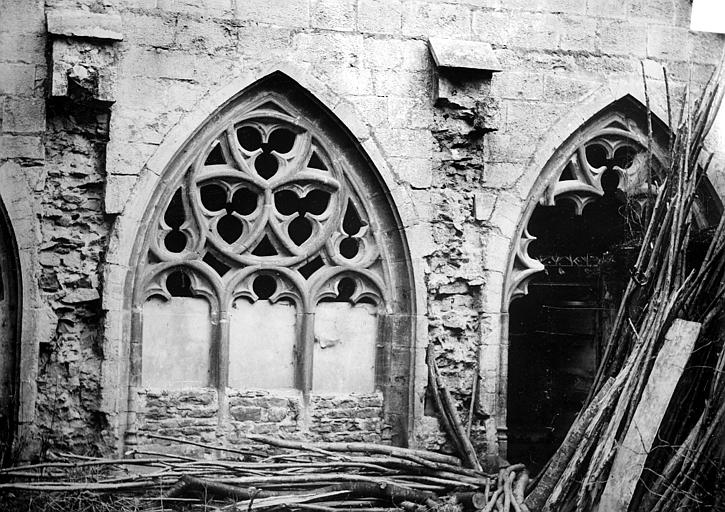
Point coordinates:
[(461, 169), (194, 415)]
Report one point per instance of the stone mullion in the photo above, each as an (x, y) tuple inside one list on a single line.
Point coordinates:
[(134, 382), (220, 355), (220, 360), (305, 348)]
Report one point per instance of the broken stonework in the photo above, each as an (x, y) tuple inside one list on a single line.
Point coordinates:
[(456, 272), (74, 232), (85, 68)]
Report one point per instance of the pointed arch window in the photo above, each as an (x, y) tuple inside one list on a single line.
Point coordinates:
[(577, 242), (272, 259)]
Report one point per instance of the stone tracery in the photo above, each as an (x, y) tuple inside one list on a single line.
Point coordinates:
[(266, 213), (611, 157)]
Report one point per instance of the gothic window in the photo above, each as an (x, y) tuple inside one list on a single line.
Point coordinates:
[(263, 264), (573, 258)]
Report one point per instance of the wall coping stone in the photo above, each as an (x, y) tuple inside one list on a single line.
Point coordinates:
[(75, 23), (459, 54)]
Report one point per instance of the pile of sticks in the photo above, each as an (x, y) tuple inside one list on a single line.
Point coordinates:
[(665, 286), (268, 473)]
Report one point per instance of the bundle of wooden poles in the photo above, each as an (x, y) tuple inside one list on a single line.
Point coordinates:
[(674, 302), (267, 473)]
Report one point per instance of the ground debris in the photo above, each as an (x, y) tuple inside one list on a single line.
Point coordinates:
[(265, 473)]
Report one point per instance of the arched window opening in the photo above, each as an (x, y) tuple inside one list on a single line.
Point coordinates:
[(273, 261), (557, 330), (571, 265), (9, 337)]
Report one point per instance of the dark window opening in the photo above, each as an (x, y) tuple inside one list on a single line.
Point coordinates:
[(349, 247), (216, 156), (213, 197), (311, 267), (316, 163), (249, 138), (596, 155), (286, 202), (281, 140), (315, 202), (351, 223), (265, 248), (264, 286), (244, 202), (178, 284), (175, 241), (624, 157), (345, 289), (174, 215), (219, 267), (300, 230), (9, 341), (567, 174), (557, 331), (230, 228), (266, 165)]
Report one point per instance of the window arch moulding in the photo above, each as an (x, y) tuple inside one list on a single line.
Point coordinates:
[(606, 151), (33, 318), (272, 210)]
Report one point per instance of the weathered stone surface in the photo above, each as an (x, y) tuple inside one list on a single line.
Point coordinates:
[(279, 12), (23, 115), (256, 345), (380, 16), (21, 146), (423, 18), (18, 79), (344, 352), (83, 66), (333, 14), (180, 326)]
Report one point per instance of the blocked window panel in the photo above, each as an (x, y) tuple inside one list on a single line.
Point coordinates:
[(177, 341), (344, 353), (262, 338)]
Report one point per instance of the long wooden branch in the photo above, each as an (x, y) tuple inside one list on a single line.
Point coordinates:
[(448, 409), (420, 456)]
